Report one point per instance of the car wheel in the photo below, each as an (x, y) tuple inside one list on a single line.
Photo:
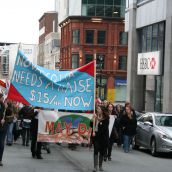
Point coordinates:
[(153, 147), (134, 145)]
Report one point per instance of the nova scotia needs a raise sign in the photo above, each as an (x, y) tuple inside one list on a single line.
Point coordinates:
[(37, 86)]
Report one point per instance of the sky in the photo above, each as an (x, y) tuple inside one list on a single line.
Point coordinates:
[(19, 19)]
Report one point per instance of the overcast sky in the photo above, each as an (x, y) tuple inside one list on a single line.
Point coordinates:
[(19, 19)]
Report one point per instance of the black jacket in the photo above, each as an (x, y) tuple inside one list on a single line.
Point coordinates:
[(102, 135), (128, 125)]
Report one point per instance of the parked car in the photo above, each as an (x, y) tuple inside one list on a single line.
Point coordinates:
[(138, 114), (154, 132)]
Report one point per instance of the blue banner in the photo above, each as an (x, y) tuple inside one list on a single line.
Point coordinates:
[(37, 86)]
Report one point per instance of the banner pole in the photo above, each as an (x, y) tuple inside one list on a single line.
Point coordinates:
[(94, 115)]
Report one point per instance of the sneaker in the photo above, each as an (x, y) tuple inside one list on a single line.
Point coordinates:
[(1, 163), (39, 157)]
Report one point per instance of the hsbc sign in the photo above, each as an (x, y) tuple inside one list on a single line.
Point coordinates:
[(149, 63)]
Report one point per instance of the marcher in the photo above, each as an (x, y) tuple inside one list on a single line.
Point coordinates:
[(3, 127), (113, 135), (10, 124), (101, 137), (119, 114), (35, 146), (15, 121), (25, 114), (129, 124)]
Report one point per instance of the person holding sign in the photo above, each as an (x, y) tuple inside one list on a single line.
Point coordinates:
[(101, 137)]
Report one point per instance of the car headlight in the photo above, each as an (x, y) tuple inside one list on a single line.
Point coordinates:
[(165, 136)]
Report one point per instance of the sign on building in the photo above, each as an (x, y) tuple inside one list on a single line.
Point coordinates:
[(149, 63)]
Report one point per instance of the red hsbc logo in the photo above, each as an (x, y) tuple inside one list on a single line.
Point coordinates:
[(153, 63), (148, 63)]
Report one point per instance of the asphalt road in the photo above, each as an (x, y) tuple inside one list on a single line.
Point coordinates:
[(18, 159)]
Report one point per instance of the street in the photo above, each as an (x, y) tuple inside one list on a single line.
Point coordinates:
[(18, 158)]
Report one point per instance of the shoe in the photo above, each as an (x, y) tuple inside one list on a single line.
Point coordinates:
[(39, 157), (101, 168), (1, 163), (105, 159), (9, 144), (48, 150), (27, 144), (33, 155), (109, 158)]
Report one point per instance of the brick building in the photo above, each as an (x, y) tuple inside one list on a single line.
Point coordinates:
[(82, 37)]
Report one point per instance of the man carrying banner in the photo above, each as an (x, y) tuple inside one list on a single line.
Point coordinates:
[(35, 146)]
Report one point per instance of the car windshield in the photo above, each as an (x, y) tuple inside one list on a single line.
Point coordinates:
[(165, 121)]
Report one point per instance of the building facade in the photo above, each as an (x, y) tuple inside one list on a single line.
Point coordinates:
[(8, 53), (99, 32), (103, 8), (149, 27), (49, 42)]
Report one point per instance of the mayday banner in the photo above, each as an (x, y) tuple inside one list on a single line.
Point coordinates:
[(64, 127), (37, 86)]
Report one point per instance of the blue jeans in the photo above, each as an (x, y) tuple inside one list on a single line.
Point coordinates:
[(10, 133), (2, 141), (127, 140)]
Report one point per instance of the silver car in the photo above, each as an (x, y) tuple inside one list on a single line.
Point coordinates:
[(154, 131)]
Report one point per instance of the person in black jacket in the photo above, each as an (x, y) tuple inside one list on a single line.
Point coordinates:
[(128, 124), (35, 146), (25, 114), (101, 137)]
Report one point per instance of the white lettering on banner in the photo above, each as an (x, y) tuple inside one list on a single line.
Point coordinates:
[(43, 98), (75, 101), (149, 63)]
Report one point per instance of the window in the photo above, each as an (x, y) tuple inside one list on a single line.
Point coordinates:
[(148, 39), (91, 10), (76, 36), (100, 61), (88, 58), (123, 38), (101, 2), (104, 8), (101, 35), (99, 10), (75, 61), (152, 38), (55, 43), (89, 35), (122, 65)]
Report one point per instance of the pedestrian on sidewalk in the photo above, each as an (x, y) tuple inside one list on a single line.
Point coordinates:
[(101, 137), (3, 127), (129, 124)]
